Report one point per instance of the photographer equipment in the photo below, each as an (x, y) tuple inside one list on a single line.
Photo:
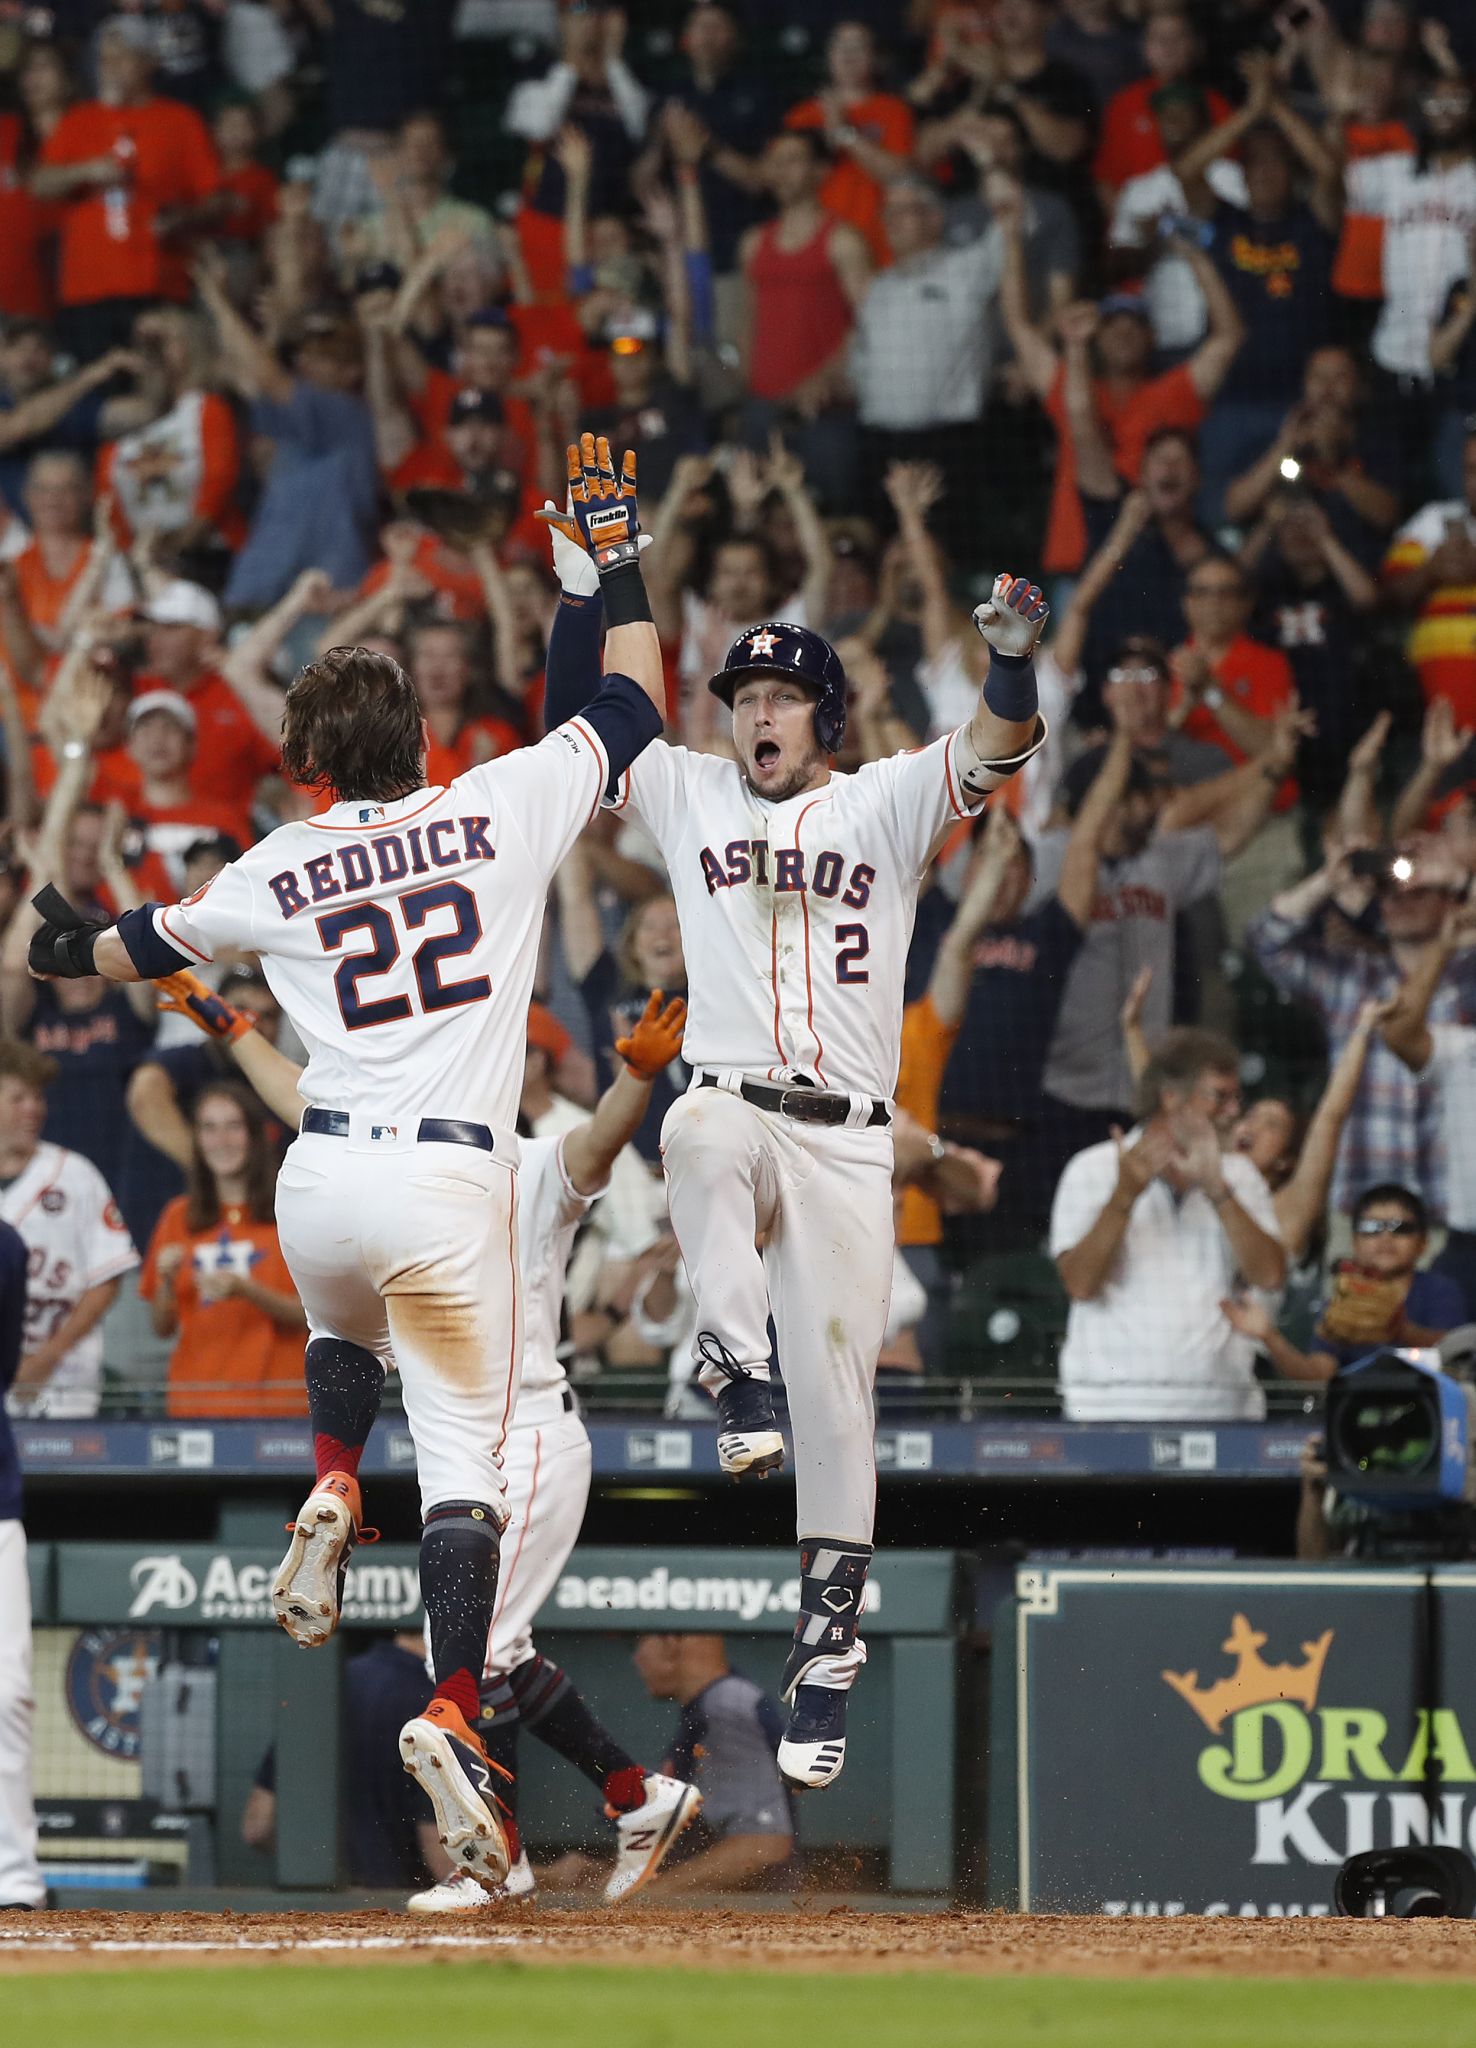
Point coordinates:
[(1400, 1426), (1414, 1883)]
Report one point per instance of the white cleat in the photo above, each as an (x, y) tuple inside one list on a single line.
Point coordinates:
[(306, 1590), (463, 1893), (812, 1753), (644, 1836), (450, 1766)]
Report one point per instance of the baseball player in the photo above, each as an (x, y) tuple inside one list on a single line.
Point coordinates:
[(546, 1460), (796, 888), (77, 1245), (398, 930)]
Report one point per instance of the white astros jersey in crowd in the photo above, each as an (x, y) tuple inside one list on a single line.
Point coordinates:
[(400, 938), (75, 1239), (796, 916)]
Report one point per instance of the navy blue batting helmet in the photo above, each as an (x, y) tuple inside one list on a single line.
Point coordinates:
[(794, 651)]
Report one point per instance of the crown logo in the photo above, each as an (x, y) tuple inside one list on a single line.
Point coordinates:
[(1254, 1682)]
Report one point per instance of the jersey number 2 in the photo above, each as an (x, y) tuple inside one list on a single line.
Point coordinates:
[(384, 951), (852, 944)]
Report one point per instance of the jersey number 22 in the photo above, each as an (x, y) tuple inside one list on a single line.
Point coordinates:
[(426, 960)]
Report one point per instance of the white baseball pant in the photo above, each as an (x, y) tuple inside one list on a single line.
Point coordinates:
[(20, 1874), (821, 1198), (410, 1251), (547, 1464)]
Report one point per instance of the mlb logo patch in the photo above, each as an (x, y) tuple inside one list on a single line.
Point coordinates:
[(384, 1131), (371, 814)]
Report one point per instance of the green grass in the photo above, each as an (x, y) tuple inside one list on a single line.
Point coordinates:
[(529, 2006)]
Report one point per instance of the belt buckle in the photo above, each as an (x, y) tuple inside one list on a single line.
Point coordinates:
[(803, 1104)]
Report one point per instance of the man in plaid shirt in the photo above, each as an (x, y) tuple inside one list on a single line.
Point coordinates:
[(1393, 1132)]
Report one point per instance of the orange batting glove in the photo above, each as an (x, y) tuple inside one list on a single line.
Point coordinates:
[(656, 1039), (603, 517), (187, 996)]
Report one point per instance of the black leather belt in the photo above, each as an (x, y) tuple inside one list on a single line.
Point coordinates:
[(571, 1404), (805, 1105), (431, 1130)]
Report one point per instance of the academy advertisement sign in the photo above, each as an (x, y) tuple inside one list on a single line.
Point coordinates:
[(1221, 1741), (202, 1585)]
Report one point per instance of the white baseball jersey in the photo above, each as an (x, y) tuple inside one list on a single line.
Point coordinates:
[(796, 916), (1427, 216), (550, 1211), (75, 1238), (400, 938)]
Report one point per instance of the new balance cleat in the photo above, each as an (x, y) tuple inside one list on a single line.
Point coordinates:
[(450, 1766), (463, 1893), (307, 1593), (644, 1837), (749, 1443), (813, 1750)]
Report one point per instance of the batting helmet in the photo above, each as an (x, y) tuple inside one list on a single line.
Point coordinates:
[(795, 651)]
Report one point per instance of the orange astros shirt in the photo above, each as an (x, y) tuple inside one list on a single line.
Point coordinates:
[(229, 1357)]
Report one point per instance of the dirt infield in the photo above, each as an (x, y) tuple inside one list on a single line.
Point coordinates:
[(963, 1943)]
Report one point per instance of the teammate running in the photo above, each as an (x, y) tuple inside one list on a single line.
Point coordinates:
[(796, 888), (398, 930), (546, 1461)]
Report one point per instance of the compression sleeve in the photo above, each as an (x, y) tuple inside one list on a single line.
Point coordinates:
[(1010, 688), (626, 721), (150, 953), (571, 672)]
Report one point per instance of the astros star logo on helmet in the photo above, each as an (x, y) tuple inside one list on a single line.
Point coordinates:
[(762, 643)]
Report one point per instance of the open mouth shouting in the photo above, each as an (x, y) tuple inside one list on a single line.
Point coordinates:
[(766, 754)]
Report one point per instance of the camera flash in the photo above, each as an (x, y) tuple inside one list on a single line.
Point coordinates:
[(1291, 469), (1401, 868)]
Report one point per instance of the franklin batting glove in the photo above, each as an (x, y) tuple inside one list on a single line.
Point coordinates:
[(1012, 618), (187, 996), (656, 1040), (603, 517)]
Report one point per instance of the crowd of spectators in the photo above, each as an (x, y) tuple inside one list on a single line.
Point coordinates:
[(1172, 304)]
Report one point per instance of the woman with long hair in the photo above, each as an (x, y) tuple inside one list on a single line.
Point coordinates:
[(215, 1275)]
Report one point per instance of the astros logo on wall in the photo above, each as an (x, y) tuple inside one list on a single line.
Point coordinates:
[(106, 1675)]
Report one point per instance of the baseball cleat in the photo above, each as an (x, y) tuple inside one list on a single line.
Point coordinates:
[(307, 1593), (644, 1836), (463, 1893), (450, 1766), (813, 1751), (749, 1444)]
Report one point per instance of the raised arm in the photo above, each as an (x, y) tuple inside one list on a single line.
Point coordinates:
[(1007, 724), (786, 474), (1210, 363), (591, 1149), (1033, 351), (953, 970), (248, 361), (1442, 743), (1076, 891), (1096, 473), (1358, 809), (1301, 1202), (1404, 1022), (914, 487), (1236, 804), (581, 932), (1069, 638), (604, 519)]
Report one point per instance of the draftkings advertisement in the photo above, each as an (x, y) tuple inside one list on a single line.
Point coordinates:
[(1219, 1741)]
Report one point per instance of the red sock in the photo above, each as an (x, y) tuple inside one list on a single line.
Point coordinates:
[(331, 1456), (461, 1689), (625, 1789), (510, 1830)]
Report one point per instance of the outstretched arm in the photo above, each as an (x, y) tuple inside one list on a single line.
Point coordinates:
[(591, 1149), (1302, 1202), (604, 520), (1010, 621)]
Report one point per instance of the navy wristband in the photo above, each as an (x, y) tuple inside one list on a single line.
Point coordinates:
[(1010, 688)]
